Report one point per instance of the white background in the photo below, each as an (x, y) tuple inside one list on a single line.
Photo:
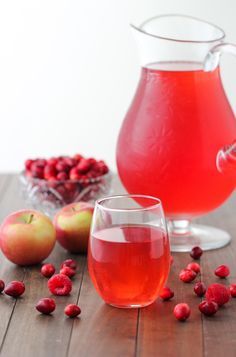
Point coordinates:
[(68, 70)]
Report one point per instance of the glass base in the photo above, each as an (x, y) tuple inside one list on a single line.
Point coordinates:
[(184, 236), (131, 306)]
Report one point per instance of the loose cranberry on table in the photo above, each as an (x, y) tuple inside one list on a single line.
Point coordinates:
[(48, 270), (199, 288), (196, 253), (60, 284), (232, 290), (166, 293), (46, 306), (222, 271), (187, 275), (218, 293), (15, 288), (71, 263), (2, 285), (67, 271), (182, 311), (208, 308), (72, 310), (194, 266)]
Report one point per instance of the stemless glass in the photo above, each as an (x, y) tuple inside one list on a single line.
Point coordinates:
[(129, 253)]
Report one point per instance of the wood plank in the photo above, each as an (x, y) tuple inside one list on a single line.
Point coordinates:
[(32, 333), (159, 333), (223, 325), (102, 330), (38, 334), (8, 271)]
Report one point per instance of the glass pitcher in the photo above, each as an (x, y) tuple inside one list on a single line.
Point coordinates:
[(177, 139)]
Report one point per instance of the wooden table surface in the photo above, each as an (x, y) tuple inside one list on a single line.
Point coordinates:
[(103, 331)]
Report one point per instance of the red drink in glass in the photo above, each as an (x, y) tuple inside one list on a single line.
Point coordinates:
[(129, 264)]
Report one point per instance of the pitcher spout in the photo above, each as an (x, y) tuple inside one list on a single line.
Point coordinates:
[(226, 159)]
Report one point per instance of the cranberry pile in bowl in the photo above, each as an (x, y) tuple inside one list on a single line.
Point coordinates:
[(49, 184)]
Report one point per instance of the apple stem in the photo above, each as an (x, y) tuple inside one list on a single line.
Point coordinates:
[(30, 218), (73, 209)]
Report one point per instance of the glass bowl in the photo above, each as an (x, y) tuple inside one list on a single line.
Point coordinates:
[(50, 196)]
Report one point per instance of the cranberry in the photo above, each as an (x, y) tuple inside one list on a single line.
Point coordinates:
[(15, 288), (52, 161), (194, 266), (196, 252), (70, 161), (61, 190), (67, 271), (2, 285), (72, 310), (49, 171), (92, 174), (60, 284), (222, 271), (62, 176), (71, 263), (46, 306), (78, 157), (199, 288), (28, 164), (218, 293), (166, 293), (208, 308), (84, 178), (37, 171), (61, 166), (83, 166), (187, 275), (71, 187), (48, 270), (103, 169), (182, 311), (92, 161), (74, 174), (232, 290), (41, 162), (61, 158)]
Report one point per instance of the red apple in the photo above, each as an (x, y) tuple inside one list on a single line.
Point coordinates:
[(27, 237), (72, 225)]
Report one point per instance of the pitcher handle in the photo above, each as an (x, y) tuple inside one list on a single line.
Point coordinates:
[(226, 156), (213, 57)]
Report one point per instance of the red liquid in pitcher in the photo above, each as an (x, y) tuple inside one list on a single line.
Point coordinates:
[(169, 140), (129, 264)]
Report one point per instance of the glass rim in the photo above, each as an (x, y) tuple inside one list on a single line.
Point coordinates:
[(100, 201), (140, 29)]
